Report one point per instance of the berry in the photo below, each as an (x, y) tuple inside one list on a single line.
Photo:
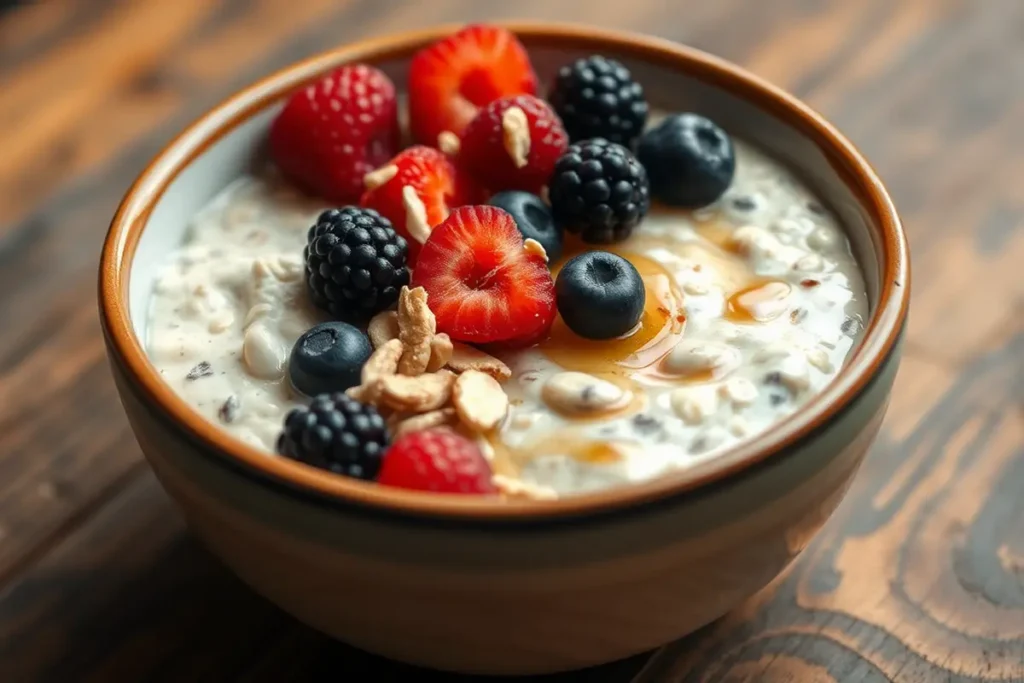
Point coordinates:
[(600, 295), (533, 218), (483, 286), (328, 358), (495, 139), (689, 159), (436, 460), (335, 130), (438, 185), (451, 79), (336, 433), (600, 191), (598, 98), (355, 263)]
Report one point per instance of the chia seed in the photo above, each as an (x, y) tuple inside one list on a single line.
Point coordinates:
[(645, 424), (229, 410), (202, 369), (744, 204)]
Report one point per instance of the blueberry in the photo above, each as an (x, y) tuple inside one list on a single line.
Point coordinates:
[(328, 358), (600, 295), (533, 218), (690, 161)]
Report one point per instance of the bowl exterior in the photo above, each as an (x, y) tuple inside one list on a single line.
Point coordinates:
[(511, 599), (518, 593)]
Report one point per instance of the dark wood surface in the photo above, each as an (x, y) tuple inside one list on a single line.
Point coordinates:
[(919, 576)]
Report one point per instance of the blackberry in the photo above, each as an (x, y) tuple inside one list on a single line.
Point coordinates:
[(356, 263), (600, 191), (596, 97), (336, 433)]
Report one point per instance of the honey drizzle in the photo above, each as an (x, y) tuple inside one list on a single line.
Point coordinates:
[(509, 461), (759, 303), (661, 325)]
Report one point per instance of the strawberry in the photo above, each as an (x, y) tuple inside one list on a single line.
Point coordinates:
[(513, 150), (484, 286), (335, 130), (451, 79), (438, 185), (436, 460)]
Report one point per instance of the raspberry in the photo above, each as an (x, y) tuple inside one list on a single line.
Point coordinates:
[(335, 433), (507, 150), (355, 263), (436, 460), (335, 130)]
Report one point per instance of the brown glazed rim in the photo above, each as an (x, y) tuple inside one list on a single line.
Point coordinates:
[(880, 337)]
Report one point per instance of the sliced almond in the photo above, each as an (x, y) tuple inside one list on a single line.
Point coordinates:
[(479, 400), (416, 222), (395, 419), (577, 393), (419, 394), (515, 131), (416, 328), (383, 328), (440, 352), (431, 420), (486, 449), (534, 248), (516, 488), (465, 357), (380, 176), (382, 363), (448, 142)]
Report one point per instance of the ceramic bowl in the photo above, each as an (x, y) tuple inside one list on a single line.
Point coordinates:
[(479, 585)]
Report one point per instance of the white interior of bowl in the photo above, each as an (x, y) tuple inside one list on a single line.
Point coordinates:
[(667, 89)]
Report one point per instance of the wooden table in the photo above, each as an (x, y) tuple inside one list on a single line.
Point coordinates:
[(918, 577)]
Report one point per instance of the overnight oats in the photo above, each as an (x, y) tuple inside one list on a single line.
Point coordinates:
[(541, 298)]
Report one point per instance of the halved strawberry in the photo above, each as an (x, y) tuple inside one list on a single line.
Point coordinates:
[(437, 187), (483, 285), (451, 79), (513, 144)]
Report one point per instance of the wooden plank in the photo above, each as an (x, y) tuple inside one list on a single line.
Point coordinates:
[(917, 577)]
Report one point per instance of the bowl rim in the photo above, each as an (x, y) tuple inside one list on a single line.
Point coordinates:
[(879, 341)]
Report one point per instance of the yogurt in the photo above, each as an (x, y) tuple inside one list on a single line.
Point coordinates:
[(753, 304)]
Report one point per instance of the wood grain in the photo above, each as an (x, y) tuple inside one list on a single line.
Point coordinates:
[(919, 577)]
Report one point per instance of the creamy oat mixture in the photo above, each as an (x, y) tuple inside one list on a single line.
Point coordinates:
[(753, 303)]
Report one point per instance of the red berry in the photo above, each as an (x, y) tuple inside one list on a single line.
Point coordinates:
[(436, 460), (335, 130), (490, 150), (451, 79), (438, 184), (483, 285)]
